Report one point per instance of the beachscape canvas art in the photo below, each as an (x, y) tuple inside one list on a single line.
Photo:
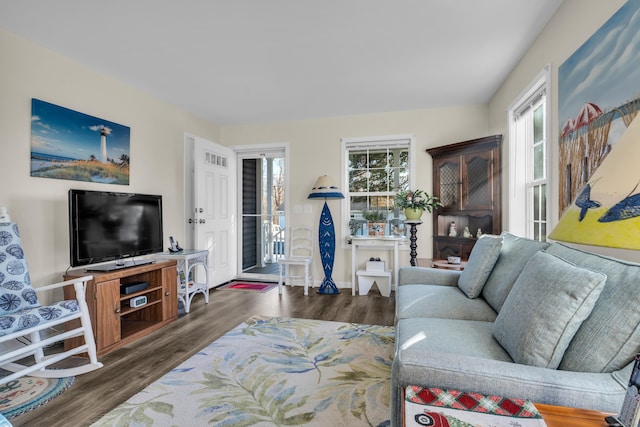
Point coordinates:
[(598, 104), (67, 144)]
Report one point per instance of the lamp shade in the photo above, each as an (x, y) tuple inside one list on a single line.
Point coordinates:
[(324, 188)]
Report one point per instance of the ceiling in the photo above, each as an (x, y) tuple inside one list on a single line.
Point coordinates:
[(253, 61)]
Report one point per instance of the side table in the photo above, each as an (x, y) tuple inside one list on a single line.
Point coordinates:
[(443, 263), (388, 243), (413, 239), (188, 285), (561, 416)]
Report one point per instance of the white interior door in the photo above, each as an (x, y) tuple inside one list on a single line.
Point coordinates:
[(213, 213)]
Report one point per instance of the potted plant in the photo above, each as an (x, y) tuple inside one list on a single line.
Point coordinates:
[(376, 221), (355, 226), (414, 202)]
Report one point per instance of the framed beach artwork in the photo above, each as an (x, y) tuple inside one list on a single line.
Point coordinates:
[(599, 147), (67, 144)]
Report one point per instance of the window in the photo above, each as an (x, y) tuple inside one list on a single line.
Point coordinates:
[(374, 169), (528, 195)]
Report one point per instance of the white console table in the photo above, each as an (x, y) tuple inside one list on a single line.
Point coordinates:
[(188, 285), (386, 243)]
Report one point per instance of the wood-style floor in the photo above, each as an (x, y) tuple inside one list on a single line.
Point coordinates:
[(131, 368)]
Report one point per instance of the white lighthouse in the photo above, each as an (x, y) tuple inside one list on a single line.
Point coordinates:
[(103, 143)]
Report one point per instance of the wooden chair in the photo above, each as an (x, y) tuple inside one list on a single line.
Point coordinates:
[(27, 327), (299, 252)]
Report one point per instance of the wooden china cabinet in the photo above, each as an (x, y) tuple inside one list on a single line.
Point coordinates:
[(466, 179)]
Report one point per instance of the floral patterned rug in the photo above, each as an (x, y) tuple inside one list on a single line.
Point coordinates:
[(272, 371)]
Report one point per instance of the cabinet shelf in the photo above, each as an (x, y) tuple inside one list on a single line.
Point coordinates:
[(124, 297), (133, 327), (128, 310)]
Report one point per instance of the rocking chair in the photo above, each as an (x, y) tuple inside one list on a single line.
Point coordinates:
[(23, 320)]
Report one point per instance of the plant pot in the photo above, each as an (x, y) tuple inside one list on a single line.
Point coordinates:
[(377, 228), (412, 213)]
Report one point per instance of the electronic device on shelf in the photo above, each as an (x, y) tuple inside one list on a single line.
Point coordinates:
[(129, 288), (138, 301), (108, 226)]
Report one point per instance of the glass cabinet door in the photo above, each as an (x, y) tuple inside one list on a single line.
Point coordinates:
[(477, 185), (449, 178)]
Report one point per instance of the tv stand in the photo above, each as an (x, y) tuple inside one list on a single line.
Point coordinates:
[(115, 322), (119, 265)]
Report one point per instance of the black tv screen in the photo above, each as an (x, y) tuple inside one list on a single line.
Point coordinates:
[(107, 226)]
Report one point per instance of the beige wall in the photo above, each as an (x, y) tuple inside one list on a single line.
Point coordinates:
[(574, 22), (157, 129), (315, 150), (39, 205)]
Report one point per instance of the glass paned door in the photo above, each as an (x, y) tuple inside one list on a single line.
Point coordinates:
[(263, 213)]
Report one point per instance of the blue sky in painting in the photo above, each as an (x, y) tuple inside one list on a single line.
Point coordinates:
[(63, 132), (605, 70)]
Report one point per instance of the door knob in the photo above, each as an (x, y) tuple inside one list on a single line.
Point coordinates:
[(202, 221)]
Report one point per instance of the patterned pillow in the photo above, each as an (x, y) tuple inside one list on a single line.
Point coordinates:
[(16, 292)]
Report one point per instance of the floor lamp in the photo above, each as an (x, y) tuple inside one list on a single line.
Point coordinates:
[(325, 189)]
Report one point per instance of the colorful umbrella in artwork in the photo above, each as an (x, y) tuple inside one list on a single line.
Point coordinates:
[(588, 113), (567, 128)]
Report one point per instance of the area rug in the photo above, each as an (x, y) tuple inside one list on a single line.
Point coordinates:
[(248, 286), (272, 371), (27, 393)]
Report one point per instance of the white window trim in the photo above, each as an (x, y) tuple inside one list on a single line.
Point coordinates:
[(369, 142), (516, 198)]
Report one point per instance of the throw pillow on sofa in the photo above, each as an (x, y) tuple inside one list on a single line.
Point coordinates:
[(609, 338), (481, 261), (514, 255), (546, 306)]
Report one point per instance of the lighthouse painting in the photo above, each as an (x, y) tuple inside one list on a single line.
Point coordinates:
[(66, 144)]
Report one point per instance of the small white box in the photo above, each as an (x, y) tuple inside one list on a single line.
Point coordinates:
[(375, 265)]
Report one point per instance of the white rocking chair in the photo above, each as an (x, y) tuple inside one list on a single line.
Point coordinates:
[(23, 319)]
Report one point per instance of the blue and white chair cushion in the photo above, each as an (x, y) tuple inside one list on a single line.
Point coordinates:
[(16, 292), (29, 317), (19, 306)]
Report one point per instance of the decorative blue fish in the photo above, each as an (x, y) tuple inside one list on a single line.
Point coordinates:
[(584, 202), (628, 207)]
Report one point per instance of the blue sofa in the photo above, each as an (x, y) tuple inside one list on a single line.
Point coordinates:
[(525, 319)]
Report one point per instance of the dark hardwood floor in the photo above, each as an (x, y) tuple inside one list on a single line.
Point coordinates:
[(131, 368)]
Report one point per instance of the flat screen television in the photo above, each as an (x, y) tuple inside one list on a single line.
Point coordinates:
[(107, 226)]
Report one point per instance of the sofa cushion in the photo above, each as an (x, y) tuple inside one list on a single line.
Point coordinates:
[(548, 303), (610, 337), (514, 255), (449, 302), (481, 261), (419, 338)]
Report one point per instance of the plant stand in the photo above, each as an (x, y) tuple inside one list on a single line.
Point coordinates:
[(413, 224)]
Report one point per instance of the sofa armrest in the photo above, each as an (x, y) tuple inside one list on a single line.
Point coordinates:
[(599, 391), (427, 276)]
